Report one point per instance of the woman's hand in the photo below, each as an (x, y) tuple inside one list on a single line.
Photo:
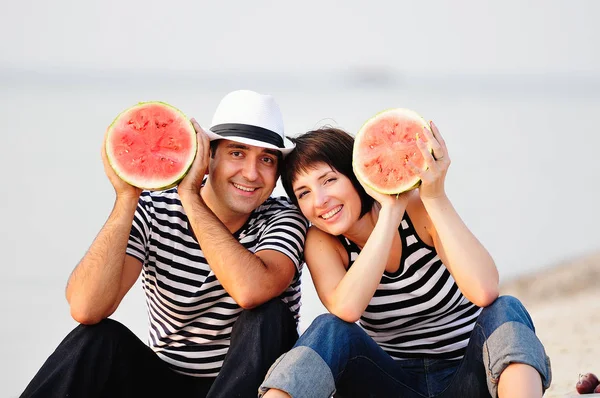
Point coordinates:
[(437, 161), (468, 261), (192, 181), (390, 204)]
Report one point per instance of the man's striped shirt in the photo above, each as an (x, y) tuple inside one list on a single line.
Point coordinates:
[(190, 313)]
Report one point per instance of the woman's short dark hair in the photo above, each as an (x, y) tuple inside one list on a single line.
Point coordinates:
[(327, 145)]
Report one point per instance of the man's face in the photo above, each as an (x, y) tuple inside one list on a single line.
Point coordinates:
[(242, 176)]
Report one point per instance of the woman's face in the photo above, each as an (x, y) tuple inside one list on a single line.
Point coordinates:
[(327, 199)]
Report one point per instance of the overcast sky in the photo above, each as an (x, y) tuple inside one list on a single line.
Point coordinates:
[(547, 36)]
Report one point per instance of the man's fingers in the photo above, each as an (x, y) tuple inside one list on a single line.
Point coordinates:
[(203, 140), (196, 126)]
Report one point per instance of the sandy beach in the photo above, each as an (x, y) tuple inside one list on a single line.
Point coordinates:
[(564, 302)]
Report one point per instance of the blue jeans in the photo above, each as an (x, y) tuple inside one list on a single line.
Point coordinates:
[(333, 356)]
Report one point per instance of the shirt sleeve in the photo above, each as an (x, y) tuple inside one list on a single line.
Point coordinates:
[(139, 236), (285, 233)]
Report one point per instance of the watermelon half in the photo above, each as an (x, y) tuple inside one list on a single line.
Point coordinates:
[(151, 145), (383, 145)]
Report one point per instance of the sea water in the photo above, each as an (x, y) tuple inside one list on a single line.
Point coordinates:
[(524, 173)]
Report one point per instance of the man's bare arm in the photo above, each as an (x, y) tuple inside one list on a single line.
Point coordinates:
[(251, 279), (105, 274)]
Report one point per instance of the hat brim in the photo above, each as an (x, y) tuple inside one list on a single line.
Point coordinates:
[(289, 146)]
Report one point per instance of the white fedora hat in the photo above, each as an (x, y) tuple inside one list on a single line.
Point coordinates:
[(251, 118)]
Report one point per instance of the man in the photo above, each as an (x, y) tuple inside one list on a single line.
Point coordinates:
[(220, 263)]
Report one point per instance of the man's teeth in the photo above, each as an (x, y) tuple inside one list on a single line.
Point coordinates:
[(331, 213), (245, 188)]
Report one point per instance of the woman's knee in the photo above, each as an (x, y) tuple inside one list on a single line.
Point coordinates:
[(505, 309), (507, 302), (330, 328), (325, 319), (331, 323), (508, 336)]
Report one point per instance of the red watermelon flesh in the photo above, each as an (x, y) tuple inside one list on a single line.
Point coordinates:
[(151, 145), (383, 145)]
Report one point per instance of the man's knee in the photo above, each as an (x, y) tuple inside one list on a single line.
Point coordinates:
[(107, 330), (105, 327), (272, 311)]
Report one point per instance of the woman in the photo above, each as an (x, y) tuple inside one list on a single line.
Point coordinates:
[(415, 278)]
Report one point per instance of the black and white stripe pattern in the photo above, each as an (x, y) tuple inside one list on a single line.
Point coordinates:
[(418, 311), (190, 313)]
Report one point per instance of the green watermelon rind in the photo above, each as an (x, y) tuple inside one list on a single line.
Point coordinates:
[(417, 181), (137, 184)]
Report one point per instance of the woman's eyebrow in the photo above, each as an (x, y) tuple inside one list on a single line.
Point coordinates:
[(320, 178)]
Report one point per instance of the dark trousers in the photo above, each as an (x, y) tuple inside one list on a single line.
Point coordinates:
[(108, 360)]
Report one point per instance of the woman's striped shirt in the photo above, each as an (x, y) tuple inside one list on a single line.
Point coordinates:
[(190, 313), (417, 311)]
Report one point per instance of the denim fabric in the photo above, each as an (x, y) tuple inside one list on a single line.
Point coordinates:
[(358, 367), (305, 361)]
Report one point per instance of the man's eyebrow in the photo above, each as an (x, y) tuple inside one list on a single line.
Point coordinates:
[(271, 151), (234, 145)]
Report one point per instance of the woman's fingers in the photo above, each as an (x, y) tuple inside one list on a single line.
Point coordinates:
[(435, 160), (438, 136), (414, 168), (426, 149), (379, 197), (436, 147)]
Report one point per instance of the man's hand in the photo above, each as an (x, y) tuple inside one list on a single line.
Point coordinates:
[(192, 182), (122, 189)]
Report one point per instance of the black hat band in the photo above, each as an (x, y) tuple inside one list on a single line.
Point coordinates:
[(246, 131)]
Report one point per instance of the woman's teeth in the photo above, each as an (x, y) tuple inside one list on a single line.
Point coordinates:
[(331, 213)]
